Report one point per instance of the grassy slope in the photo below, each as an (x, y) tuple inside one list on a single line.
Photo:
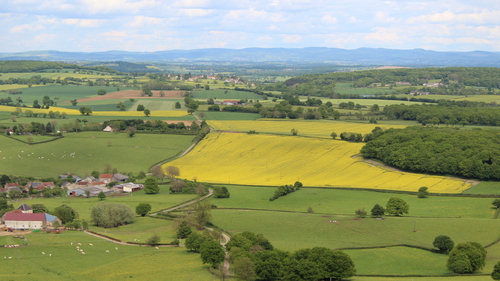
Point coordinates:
[(139, 263), (92, 152)]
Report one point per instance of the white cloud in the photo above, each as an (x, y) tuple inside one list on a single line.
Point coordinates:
[(383, 35), (83, 22), (113, 6), (26, 27), (196, 12), (140, 21), (294, 38), (44, 38), (115, 34), (482, 17), (383, 17), (329, 19)]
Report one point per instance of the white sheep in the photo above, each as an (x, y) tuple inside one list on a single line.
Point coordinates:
[(90, 244), (83, 253), (50, 255), (10, 257), (157, 248), (116, 248), (79, 244), (107, 251), (43, 253)]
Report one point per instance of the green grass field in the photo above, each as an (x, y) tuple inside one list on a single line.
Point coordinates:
[(345, 202), (63, 93), (91, 151), (221, 95), (66, 263), (154, 105), (220, 115)]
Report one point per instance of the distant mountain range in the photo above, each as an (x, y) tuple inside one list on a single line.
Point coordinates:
[(361, 56)]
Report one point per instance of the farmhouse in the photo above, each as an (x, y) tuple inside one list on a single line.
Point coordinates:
[(131, 187), (106, 178), (25, 209), (108, 129), (19, 220)]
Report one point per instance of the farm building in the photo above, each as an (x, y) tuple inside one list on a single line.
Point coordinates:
[(108, 129), (120, 177), (20, 220), (131, 187), (10, 185), (75, 177), (106, 178), (25, 209)]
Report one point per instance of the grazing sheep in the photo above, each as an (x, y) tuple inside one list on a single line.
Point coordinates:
[(72, 243), (43, 253), (157, 248), (116, 248), (83, 253), (107, 251), (90, 244), (50, 255), (79, 244), (10, 257)]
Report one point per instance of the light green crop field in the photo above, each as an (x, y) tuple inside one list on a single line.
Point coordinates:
[(220, 115), (485, 187), (62, 93), (367, 102), (84, 152), (155, 105), (221, 95), (66, 263), (345, 202)]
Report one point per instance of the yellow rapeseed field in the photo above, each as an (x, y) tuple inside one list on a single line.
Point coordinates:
[(319, 129), (277, 160), (98, 113)]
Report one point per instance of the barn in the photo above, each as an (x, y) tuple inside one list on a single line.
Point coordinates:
[(19, 220)]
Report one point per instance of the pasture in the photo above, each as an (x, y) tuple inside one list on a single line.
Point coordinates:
[(220, 115), (222, 95), (317, 129), (84, 152), (156, 105), (345, 202), (239, 158), (66, 263)]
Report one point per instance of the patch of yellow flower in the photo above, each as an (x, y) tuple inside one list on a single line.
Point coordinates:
[(97, 113), (319, 129), (277, 160)]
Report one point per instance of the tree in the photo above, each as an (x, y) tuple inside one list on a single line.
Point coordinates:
[(397, 206), (65, 213), (194, 241), (212, 253), (173, 171), (423, 192), (140, 107), (333, 135), (467, 258), (495, 275), (443, 243), (294, 132), (377, 211), (153, 240), (202, 213), (147, 112), (244, 268), (361, 213), (177, 105), (157, 172), (101, 92), (184, 230), (151, 186), (101, 196), (131, 133), (221, 192), (39, 208), (496, 203), (110, 214), (74, 102), (142, 209)]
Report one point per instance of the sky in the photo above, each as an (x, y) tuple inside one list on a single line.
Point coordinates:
[(156, 25)]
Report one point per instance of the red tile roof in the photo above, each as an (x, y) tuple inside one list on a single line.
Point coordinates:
[(106, 176), (11, 216), (12, 184)]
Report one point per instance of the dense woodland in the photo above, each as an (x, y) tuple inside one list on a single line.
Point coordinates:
[(448, 151), (34, 66)]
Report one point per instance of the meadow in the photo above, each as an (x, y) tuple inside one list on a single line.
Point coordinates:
[(84, 152), (222, 95), (66, 263), (317, 129), (277, 160), (156, 105), (345, 202)]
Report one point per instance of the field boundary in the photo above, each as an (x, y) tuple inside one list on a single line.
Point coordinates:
[(39, 142)]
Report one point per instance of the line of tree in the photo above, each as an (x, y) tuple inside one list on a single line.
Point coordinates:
[(285, 189), (448, 115), (449, 151)]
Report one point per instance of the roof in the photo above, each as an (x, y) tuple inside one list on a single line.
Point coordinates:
[(98, 183), (50, 218), (24, 207), (120, 177), (106, 176), (11, 184), (11, 216)]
